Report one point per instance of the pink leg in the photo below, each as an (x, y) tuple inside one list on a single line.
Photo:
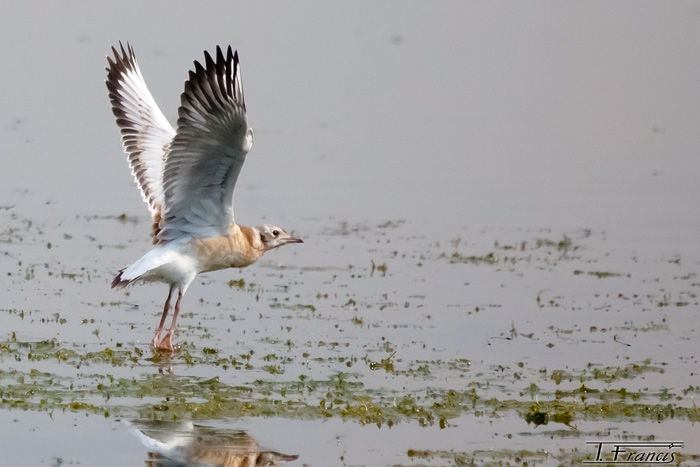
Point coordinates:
[(167, 342), (156, 338)]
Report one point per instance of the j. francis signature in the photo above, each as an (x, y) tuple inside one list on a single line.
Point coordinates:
[(635, 452)]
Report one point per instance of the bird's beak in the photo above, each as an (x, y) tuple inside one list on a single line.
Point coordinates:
[(291, 239)]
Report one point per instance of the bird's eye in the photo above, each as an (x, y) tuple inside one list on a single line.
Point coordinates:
[(275, 233)]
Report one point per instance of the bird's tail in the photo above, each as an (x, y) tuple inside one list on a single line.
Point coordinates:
[(144, 267)]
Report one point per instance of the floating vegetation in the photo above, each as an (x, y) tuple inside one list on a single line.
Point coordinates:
[(377, 327), (489, 258), (386, 364), (381, 268), (295, 306), (497, 457), (598, 274), (344, 396), (548, 251)]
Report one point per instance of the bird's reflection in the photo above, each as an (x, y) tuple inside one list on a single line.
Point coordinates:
[(185, 444)]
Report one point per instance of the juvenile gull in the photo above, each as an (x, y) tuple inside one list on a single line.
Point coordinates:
[(187, 176)]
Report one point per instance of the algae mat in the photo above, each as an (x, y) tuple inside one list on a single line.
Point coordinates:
[(375, 344)]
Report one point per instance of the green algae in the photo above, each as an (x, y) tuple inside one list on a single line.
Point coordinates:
[(510, 254), (510, 457), (382, 268), (598, 274), (489, 258), (496, 457), (545, 397)]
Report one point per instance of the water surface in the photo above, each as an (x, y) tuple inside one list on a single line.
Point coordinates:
[(499, 208)]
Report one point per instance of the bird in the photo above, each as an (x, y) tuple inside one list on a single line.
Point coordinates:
[(187, 175), (179, 444)]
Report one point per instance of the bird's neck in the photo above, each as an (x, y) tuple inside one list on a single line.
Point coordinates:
[(250, 234)]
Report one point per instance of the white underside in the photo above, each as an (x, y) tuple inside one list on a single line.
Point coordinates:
[(173, 264)]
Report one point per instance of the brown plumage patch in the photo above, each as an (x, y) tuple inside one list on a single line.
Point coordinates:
[(249, 234), (236, 250), (156, 225)]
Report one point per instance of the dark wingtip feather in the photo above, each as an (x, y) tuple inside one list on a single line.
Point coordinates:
[(120, 63), (213, 82), (209, 62), (118, 282)]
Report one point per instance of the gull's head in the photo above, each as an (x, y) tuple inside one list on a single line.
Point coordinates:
[(272, 237)]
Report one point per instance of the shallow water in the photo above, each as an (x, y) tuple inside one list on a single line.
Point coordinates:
[(499, 214)]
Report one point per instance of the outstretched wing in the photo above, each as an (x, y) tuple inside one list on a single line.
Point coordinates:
[(207, 152), (146, 134)]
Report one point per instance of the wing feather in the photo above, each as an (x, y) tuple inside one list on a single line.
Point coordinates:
[(207, 152), (146, 133)]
